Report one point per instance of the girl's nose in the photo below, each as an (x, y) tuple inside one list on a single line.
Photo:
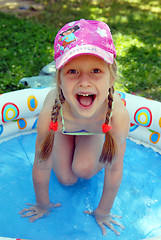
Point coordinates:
[(84, 81)]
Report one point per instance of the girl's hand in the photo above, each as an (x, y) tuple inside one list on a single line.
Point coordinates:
[(107, 220), (38, 210)]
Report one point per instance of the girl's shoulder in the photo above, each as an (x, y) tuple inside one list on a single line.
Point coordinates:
[(50, 99), (120, 117)]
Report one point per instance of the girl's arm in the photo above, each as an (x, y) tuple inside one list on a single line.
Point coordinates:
[(112, 181), (41, 170), (113, 174), (41, 177)]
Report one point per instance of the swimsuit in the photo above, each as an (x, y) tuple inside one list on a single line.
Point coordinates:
[(81, 132)]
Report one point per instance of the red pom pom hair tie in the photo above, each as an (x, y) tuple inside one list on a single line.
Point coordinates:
[(53, 126), (106, 128)]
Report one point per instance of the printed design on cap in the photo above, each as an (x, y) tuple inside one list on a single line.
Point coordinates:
[(102, 32), (68, 37)]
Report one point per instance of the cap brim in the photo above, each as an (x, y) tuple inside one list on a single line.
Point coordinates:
[(84, 49)]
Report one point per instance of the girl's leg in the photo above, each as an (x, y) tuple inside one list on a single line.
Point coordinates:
[(86, 155), (62, 156)]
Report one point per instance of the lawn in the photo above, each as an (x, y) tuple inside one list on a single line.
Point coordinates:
[(27, 44)]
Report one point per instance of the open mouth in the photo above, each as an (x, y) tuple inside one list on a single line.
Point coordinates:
[(85, 99)]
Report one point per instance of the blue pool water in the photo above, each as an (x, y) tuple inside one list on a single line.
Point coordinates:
[(138, 199)]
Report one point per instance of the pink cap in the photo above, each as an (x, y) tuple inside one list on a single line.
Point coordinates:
[(84, 37)]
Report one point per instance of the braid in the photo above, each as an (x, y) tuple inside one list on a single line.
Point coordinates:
[(48, 142), (109, 147), (55, 111), (61, 96), (110, 102)]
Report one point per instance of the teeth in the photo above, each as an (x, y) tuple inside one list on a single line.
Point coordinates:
[(83, 94)]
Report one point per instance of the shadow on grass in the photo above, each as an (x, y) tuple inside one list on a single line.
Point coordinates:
[(135, 27), (139, 27), (122, 16), (140, 68)]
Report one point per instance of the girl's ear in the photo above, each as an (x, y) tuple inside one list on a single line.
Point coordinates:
[(59, 84), (112, 80), (113, 73)]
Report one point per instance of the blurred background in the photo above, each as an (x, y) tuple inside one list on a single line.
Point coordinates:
[(28, 29)]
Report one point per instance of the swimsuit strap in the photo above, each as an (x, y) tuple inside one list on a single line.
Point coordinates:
[(63, 123)]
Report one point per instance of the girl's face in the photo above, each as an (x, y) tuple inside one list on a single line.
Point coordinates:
[(85, 81)]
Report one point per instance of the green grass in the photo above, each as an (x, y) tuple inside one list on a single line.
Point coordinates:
[(27, 45)]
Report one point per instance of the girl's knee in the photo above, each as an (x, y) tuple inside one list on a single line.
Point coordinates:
[(84, 169), (67, 180)]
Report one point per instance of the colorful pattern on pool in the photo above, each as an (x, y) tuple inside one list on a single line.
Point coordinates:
[(145, 118), (19, 112)]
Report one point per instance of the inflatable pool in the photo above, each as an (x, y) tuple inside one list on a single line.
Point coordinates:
[(138, 200)]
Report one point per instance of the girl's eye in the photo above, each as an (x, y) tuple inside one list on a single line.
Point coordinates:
[(73, 71), (96, 70)]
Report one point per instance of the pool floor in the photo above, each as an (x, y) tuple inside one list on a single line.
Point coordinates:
[(138, 199)]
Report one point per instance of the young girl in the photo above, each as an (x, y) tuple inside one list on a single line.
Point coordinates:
[(83, 125)]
